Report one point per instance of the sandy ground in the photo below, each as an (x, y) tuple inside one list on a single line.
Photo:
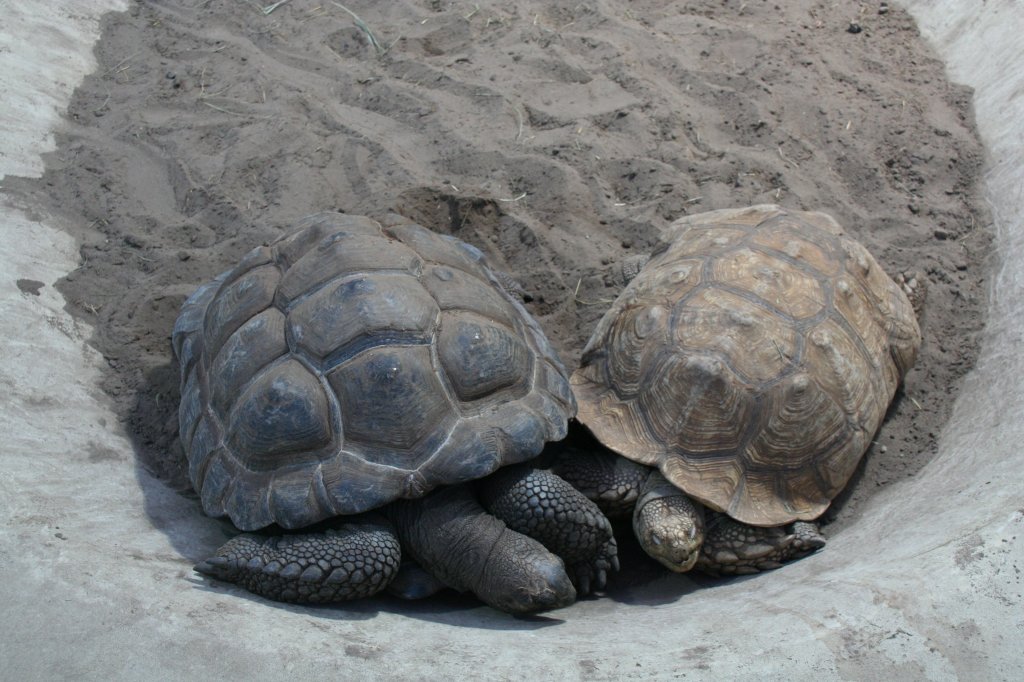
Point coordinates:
[(557, 137)]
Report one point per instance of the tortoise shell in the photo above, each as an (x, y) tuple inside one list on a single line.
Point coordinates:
[(352, 364), (752, 360)]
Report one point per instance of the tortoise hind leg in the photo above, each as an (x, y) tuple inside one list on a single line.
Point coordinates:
[(734, 548), (351, 562), (537, 503)]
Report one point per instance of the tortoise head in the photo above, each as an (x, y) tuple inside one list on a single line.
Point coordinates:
[(670, 528)]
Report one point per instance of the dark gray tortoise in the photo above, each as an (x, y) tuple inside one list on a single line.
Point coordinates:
[(343, 373), (741, 376)]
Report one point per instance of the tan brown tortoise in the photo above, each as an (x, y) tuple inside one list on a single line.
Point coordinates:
[(740, 377)]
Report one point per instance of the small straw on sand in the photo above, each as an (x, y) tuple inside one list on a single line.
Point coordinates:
[(364, 27), (270, 8)]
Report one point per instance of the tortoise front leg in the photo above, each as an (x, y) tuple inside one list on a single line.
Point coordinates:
[(611, 482), (734, 548), (537, 503), (356, 560)]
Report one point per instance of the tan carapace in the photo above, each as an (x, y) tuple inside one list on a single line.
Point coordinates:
[(752, 360)]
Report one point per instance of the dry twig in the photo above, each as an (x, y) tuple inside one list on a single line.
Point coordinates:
[(378, 46)]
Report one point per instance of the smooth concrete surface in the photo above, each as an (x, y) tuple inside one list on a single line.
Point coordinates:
[(95, 579)]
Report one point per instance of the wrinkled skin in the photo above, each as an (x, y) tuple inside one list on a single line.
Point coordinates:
[(469, 550), (545, 507)]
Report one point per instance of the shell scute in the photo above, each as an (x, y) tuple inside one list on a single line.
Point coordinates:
[(391, 399), (280, 419), (340, 254), (330, 324), (482, 359)]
